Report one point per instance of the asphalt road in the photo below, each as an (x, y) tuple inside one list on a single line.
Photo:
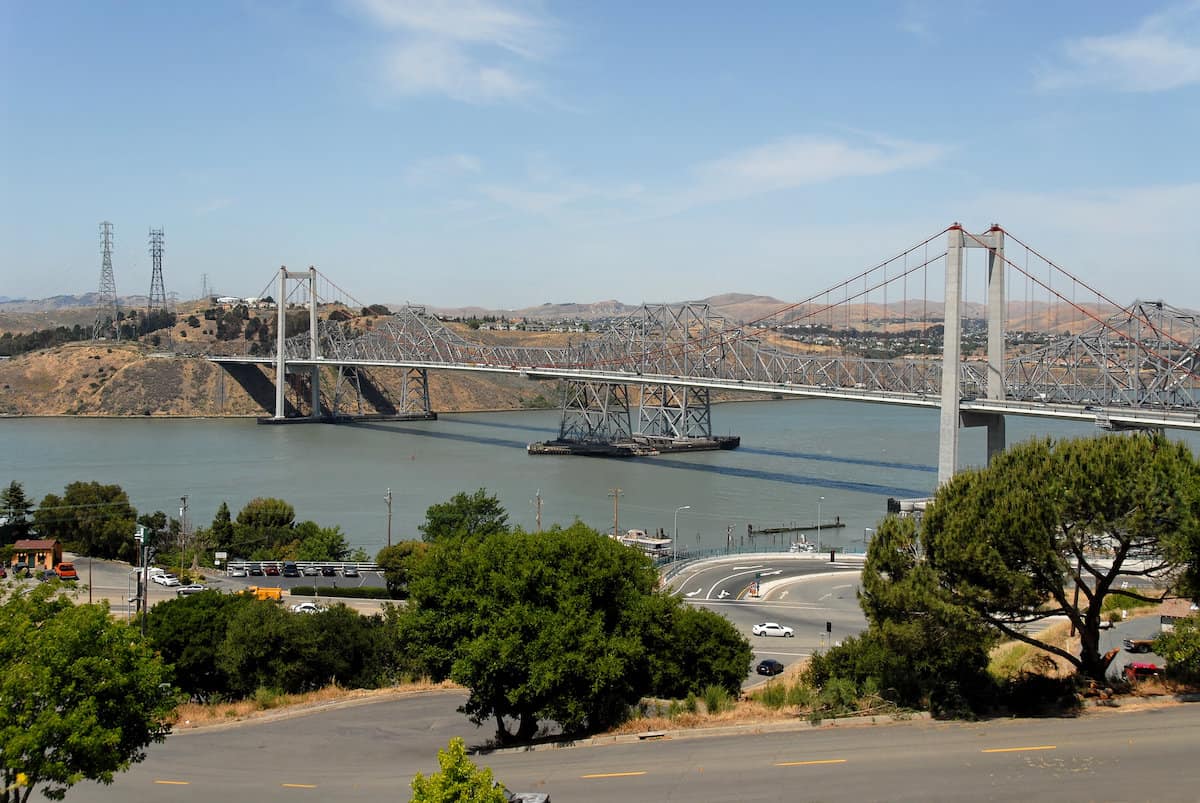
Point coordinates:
[(370, 753), (799, 591)]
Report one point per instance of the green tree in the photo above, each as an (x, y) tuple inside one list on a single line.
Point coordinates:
[(921, 648), (222, 528), (458, 780), (15, 510), (547, 626), (698, 648), (83, 695), (95, 519), (263, 526), (314, 542), (1181, 650), (1013, 543), (397, 563), (188, 631), (465, 516)]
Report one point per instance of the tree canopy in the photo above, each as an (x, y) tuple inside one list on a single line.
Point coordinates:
[(465, 516), (1045, 531), (84, 695), (397, 562), (563, 625), (457, 781), (95, 519), (15, 509)]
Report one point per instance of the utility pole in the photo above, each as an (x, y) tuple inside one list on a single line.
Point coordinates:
[(615, 493), (388, 499), (182, 532), (538, 497)]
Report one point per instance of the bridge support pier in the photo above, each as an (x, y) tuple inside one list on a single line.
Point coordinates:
[(951, 395)]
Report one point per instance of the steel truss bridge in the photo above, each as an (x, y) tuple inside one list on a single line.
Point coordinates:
[(650, 374)]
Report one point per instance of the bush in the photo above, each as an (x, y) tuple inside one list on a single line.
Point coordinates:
[(773, 695), (717, 699), (355, 592)]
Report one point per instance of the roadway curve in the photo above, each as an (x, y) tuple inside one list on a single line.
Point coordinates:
[(370, 753), (800, 591)]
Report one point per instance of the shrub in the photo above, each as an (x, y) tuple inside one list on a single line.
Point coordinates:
[(716, 699), (773, 695)]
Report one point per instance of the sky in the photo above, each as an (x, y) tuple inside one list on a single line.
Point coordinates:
[(507, 154)]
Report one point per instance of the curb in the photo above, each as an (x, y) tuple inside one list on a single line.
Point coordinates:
[(781, 726)]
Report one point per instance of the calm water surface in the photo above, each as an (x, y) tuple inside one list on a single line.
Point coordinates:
[(793, 453)]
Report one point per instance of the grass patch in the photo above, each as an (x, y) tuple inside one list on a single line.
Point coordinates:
[(196, 715)]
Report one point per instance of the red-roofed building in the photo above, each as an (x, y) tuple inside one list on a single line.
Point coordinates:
[(37, 554)]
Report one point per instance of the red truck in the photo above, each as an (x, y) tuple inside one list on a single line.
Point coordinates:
[(66, 571)]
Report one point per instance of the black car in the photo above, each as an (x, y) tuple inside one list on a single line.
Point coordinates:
[(769, 667), (328, 571), (291, 570), (256, 571)]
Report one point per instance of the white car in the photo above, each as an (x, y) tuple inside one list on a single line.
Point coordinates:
[(237, 571), (166, 579), (307, 607), (772, 629), (194, 588)]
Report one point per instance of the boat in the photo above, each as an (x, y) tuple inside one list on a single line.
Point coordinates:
[(653, 546)]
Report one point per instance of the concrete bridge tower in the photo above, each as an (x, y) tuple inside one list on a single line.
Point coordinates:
[(957, 240)]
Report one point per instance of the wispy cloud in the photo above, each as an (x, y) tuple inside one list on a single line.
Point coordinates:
[(429, 171), (214, 205), (783, 165), (476, 51), (1161, 53)]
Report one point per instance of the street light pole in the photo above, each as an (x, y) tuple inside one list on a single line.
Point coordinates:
[(675, 540), (866, 541), (388, 499), (820, 499)]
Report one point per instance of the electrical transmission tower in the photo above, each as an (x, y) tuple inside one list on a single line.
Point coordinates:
[(158, 296), (107, 302)]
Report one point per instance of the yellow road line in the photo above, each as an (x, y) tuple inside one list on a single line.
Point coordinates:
[(298, 785), (174, 783), (613, 774), (809, 763), (1020, 749)]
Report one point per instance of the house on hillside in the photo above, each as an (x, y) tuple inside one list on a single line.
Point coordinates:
[(36, 554)]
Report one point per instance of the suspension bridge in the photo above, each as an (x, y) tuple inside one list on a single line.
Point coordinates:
[(1038, 342)]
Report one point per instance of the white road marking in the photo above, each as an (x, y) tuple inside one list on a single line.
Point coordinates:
[(694, 593), (722, 580)]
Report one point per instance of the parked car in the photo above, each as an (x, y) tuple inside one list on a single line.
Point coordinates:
[(1136, 671), (307, 607), (271, 570), (66, 571), (772, 629), (166, 579), (1138, 644), (328, 571), (256, 571), (193, 588), (311, 571), (291, 570), (769, 667), (349, 571), (3, 573), (526, 797), (237, 571)]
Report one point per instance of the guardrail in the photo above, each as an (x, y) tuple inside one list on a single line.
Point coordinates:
[(341, 565)]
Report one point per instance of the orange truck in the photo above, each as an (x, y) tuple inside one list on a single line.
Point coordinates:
[(66, 571), (261, 592)]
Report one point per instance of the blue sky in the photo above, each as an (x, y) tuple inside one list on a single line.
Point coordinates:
[(507, 154)]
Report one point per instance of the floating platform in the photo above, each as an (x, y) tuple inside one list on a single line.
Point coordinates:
[(343, 418), (837, 523), (636, 447)]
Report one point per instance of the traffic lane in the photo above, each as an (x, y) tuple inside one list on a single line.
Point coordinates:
[(730, 579), (1128, 756), (363, 752), (810, 603)]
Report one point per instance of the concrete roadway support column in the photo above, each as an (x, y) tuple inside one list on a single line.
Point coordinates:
[(280, 357), (951, 358), (314, 353)]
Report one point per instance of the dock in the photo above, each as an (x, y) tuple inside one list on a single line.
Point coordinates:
[(836, 524)]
